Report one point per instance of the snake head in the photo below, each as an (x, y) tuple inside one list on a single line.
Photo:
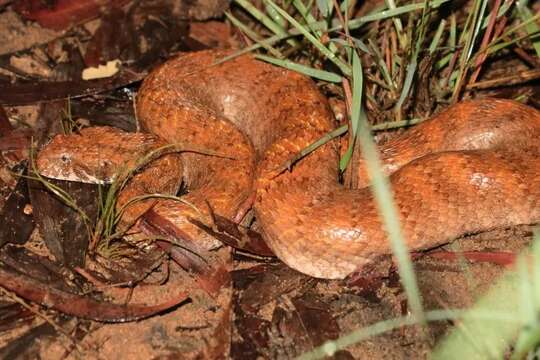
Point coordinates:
[(90, 156)]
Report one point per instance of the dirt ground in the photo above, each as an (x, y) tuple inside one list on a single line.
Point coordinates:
[(275, 313)]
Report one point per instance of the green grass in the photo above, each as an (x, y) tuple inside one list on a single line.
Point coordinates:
[(379, 59), (517, 295)]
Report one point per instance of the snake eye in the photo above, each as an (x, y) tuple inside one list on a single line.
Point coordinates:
[(64, 158)]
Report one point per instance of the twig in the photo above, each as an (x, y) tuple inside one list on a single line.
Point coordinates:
[(520, 78)]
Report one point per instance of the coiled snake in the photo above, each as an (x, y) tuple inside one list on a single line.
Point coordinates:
[(473, 167)]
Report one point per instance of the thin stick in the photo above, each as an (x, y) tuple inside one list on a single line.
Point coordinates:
[(520, 78)]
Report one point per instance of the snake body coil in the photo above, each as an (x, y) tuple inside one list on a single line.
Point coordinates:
[(472, 167)]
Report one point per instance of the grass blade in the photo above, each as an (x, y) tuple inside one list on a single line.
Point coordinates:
[(397, 23), (531, 27), (252, 35), (382, 65), (262, 17), (331, 347), (356, 108), (383, 196), (345, 69), (477, 27), (306, 70), (437, 37), (357, 42), (496, 335), (276, 17)]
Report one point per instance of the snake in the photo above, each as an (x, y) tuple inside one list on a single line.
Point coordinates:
[(472, 167)]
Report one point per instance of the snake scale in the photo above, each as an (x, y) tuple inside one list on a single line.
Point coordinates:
[(470, 168)]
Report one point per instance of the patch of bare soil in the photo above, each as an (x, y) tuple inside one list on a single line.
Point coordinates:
[(285, 320)]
